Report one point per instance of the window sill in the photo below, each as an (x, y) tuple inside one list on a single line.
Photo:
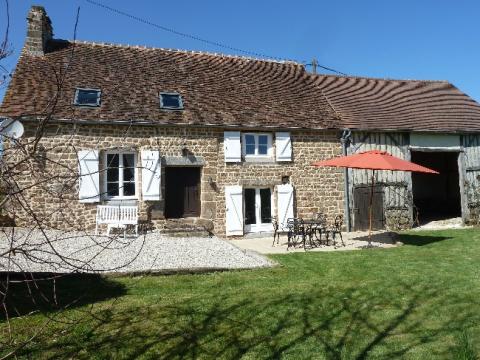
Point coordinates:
[(119, 199), (259, 159)]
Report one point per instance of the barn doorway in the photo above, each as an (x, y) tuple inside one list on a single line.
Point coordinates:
[(361, 199), (182, 192), (436, 197)]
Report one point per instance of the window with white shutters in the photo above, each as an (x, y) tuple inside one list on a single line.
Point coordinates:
[(257, 146), (120, 175)]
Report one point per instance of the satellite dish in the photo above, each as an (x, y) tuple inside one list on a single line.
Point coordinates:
[(11, 128)]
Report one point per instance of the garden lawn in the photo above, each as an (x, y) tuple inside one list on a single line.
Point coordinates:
[(417, 301)]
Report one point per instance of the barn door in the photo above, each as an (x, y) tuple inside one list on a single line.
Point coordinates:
[(361, 198)]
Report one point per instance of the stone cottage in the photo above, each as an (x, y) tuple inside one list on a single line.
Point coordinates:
[(222, 142)]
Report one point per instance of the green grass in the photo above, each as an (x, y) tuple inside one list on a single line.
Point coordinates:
[(418, 301)]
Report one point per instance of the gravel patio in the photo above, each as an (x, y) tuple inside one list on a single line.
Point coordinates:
[(67, 252)]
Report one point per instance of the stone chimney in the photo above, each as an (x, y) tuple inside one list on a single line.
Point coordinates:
[(39, 31)]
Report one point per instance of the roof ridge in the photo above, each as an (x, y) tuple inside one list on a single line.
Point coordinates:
[(379, 78), (193, 52)]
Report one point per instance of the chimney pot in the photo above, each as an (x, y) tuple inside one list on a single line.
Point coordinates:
[(39, 31)]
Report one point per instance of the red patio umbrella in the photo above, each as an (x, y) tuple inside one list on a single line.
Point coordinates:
[(374, 160)]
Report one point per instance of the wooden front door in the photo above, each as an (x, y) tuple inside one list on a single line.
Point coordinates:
[(182, 192), (361, 199)]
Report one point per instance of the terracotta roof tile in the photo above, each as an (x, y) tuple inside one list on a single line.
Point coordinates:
[(383, 104), (229, 91), (216, 89)]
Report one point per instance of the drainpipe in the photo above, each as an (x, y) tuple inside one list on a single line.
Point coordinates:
[(345, 140)]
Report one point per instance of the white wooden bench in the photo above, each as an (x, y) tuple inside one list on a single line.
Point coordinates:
[(117, 216)]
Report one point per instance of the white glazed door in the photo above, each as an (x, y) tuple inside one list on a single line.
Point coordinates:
[(258, 209)]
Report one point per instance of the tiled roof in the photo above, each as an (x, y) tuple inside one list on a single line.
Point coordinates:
[(381, 104), (216, 89), (228, 91)]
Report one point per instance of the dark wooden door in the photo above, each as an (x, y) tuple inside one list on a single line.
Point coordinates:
[(361, 199), (182, 192)]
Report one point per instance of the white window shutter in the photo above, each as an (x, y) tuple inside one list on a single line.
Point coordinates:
[(89, 189), (151, 175), (283, 146), (232, 148), (284, 204), (234, 210)]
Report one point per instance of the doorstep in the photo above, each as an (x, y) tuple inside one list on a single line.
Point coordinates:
[(258, 235)]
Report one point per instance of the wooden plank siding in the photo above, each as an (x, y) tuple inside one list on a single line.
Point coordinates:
[(471, 183), (398, 200), (397, 184)]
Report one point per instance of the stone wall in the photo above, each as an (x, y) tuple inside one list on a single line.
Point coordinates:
[(55, 200), (397, 219)]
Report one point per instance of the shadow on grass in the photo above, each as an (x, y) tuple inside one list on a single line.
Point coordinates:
[(346, 324), (386, 237), (45, 292), (420, 240)]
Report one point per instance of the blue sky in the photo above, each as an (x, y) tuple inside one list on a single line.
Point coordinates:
[(408, 39)]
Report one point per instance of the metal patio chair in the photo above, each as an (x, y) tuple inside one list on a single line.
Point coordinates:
[(336, 229), (276, 232), (295, 232)]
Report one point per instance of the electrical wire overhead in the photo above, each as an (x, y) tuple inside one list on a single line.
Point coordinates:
[(200, 39)]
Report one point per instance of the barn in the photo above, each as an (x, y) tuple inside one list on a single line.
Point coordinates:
[(431, 123)]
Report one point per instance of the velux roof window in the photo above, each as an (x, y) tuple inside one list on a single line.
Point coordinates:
[(171, 101), (87, 97)]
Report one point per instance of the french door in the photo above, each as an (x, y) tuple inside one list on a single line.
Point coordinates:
[(258, 209)]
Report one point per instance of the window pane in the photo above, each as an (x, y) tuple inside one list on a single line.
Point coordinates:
[(128, 189), (87, 97), (112, 189), (263, 140), (249, 144), (170, 101), (250, 217), (112, 167), (262, 145), (128, 160), (262, 149), (128, 174), (250, 149), (250, 140), (128, 167), (266, 206)]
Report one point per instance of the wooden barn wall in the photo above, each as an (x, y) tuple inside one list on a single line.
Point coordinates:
[(397, 184), (471, 164)]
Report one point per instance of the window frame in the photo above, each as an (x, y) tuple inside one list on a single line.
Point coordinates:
[(180, 101), (120, 195), (77, 91), (267, 156)]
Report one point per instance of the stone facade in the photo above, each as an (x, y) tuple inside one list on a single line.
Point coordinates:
[(55, 200)]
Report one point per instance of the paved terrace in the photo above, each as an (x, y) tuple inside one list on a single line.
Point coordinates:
[(353, 241)]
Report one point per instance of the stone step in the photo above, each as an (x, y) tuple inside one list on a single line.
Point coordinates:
[(184, 233), (186, 227)]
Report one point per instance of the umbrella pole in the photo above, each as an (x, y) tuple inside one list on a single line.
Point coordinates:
[(370, 207)]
